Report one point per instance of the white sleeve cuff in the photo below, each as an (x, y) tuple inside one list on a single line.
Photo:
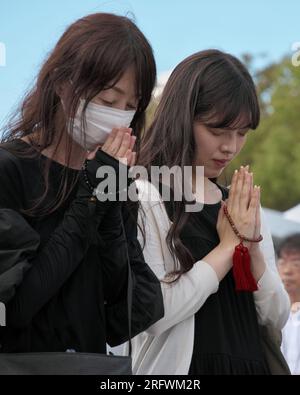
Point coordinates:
[(271, 300), (210, 276)]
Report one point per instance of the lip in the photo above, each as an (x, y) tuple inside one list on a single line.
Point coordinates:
[(221, 163), (288, 283)]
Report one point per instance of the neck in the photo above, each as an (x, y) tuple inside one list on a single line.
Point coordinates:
[(58, 151), (62, 149)]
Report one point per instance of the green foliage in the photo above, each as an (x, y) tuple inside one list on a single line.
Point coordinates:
[(273, 150), (276, 156)]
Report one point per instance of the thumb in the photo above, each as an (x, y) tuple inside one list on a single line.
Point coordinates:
[(221, 211), (223, 204), (91, 154)]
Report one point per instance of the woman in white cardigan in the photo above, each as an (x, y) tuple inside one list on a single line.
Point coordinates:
[(206, 110)]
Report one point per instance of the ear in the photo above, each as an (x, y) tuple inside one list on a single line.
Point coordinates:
[(62, 89), (63, 92)]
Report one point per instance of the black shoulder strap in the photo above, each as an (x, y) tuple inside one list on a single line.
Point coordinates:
[(129, 288)]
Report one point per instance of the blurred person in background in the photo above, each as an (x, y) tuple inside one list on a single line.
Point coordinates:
[(289, 270)]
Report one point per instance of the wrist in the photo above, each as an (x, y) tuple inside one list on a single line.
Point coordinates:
[(227, 248), (255, 250), (258, 265), (115, 174)]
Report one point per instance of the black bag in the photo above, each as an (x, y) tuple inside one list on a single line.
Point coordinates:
[(64, 363), (52, 363)]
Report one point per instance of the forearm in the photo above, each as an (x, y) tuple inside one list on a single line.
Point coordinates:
[(220, 259), (258, 264), (52, 266), (147, 306), (271, 300)]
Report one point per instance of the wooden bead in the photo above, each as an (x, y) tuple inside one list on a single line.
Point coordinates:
[(234, 228)]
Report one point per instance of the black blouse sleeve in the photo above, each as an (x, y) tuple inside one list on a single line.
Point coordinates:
[(51, 266), (18, 245), (147, 301)]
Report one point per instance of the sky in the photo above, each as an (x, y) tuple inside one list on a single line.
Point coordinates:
[(175, 28)]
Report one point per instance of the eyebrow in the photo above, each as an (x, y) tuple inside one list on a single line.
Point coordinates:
[(290, 258), (224, 130), (121, 92), (117, 89)]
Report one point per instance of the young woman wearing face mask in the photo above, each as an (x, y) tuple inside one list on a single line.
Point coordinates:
[(63, 260), (212, 311)]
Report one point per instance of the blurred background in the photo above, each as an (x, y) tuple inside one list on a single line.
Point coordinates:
[(265, 35)]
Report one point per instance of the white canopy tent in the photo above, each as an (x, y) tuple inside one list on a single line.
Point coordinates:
[(280, 225), (293, 213)]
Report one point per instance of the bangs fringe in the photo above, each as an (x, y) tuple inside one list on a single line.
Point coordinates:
[(237, 111)]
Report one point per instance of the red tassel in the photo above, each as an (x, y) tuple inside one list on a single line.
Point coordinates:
[(247, 267), (244, 280)]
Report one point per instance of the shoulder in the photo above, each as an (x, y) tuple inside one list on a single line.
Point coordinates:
[(150, 198), (9, 160), (147, 192), (5, 155), (11, 179), (10, 165)]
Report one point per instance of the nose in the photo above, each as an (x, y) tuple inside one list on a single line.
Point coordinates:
[(229, 145), (287, 270)]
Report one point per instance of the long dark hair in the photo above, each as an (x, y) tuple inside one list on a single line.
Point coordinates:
[(93, 53), (214, 88)]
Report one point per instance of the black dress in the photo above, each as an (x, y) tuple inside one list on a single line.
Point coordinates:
[(74, 295), (227, 339)]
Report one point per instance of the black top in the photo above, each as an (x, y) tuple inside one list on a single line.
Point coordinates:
[(227, 339), (74, 295)]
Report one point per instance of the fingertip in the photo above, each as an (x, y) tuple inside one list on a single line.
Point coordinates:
[(125, 130)]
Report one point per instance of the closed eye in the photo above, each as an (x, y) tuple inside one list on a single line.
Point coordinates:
[(107, 103), (215, 132), (130, 107)]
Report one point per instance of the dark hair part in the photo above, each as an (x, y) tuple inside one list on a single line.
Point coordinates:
[(93, 53), (289, 244), (211, 87)]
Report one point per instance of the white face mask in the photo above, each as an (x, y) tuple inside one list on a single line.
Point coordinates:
[(100, 120)]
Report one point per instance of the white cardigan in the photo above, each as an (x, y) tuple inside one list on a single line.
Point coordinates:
[(167, 346)]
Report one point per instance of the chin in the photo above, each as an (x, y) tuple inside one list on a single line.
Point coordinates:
[(289, 288)]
